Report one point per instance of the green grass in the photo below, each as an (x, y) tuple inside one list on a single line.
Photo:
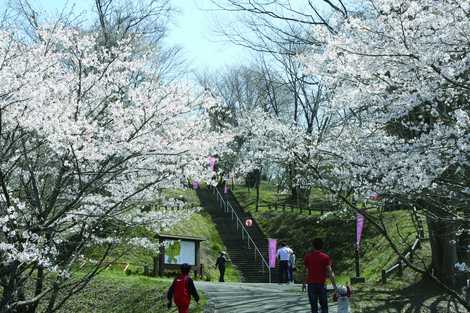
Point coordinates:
[(116, 292), (269, 196)]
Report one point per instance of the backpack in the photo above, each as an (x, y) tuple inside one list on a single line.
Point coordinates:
[(292, 260), (181, 291)]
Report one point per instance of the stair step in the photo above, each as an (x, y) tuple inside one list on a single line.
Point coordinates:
[(242, 257)]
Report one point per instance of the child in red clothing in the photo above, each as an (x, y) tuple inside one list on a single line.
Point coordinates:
[(182, 289)]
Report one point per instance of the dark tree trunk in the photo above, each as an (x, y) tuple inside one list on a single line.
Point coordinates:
[(257, 183), (257, 197), (442, 235)]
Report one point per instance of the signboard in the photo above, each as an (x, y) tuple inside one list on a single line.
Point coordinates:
[(180, 251)]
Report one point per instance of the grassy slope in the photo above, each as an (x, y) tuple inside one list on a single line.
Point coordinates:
[(269, 196), (339, 232), (115, 292), (409, 293), (199, 225)]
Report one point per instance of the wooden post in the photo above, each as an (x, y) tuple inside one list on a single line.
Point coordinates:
[(400, 268), (384, 277), (197, 254), (358, 278), (358, 272), (257, 192), (161, 259), (307, 205), (298, 197), (156, 263), (467, 291)]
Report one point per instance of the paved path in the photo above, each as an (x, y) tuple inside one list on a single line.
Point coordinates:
[(255, 298)]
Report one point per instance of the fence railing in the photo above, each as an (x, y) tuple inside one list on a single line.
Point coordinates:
[(228, 208), (409, 255), (400, 265), (288, 207)]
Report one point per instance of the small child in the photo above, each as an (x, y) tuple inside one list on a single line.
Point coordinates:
[(182, 289), (342, 295)]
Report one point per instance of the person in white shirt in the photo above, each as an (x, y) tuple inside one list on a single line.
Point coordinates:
[(283, 255)]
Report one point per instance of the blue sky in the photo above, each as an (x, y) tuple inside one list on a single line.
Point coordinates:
[(192, 29)]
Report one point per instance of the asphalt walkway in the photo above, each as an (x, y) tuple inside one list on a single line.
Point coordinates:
[(255, 298)]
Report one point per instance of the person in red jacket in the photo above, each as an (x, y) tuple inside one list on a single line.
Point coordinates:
[(182, 289), (318, 265)]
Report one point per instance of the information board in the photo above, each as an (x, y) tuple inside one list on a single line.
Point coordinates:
[(180, 251)]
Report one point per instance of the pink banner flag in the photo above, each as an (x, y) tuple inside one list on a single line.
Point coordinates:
[(272, 251), (212, 163), (359, 228)]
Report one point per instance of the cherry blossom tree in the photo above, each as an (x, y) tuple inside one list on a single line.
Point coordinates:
[(89, 136), (399, 72), (398, 121)]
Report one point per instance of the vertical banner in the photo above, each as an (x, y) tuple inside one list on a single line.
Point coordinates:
[(359, 228), (212, 163), (272, 251)]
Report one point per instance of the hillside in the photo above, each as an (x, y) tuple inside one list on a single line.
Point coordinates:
[(115, 292), (339, 232), (407, 293), (199, 225)]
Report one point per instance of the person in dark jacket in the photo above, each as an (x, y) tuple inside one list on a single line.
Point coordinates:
[(220, 264), (182, 289)]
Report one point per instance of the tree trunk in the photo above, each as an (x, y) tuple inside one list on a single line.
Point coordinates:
[(442, 235), (257, 197), (258, 182)]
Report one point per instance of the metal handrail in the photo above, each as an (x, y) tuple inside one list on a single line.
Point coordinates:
[(225, 204)]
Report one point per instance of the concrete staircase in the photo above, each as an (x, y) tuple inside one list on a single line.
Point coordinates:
[(240, 250)]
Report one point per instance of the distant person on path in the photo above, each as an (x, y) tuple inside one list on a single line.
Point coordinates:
[(182, 289), (291, 269), (318, 266), (220, 264), (283, 255)]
